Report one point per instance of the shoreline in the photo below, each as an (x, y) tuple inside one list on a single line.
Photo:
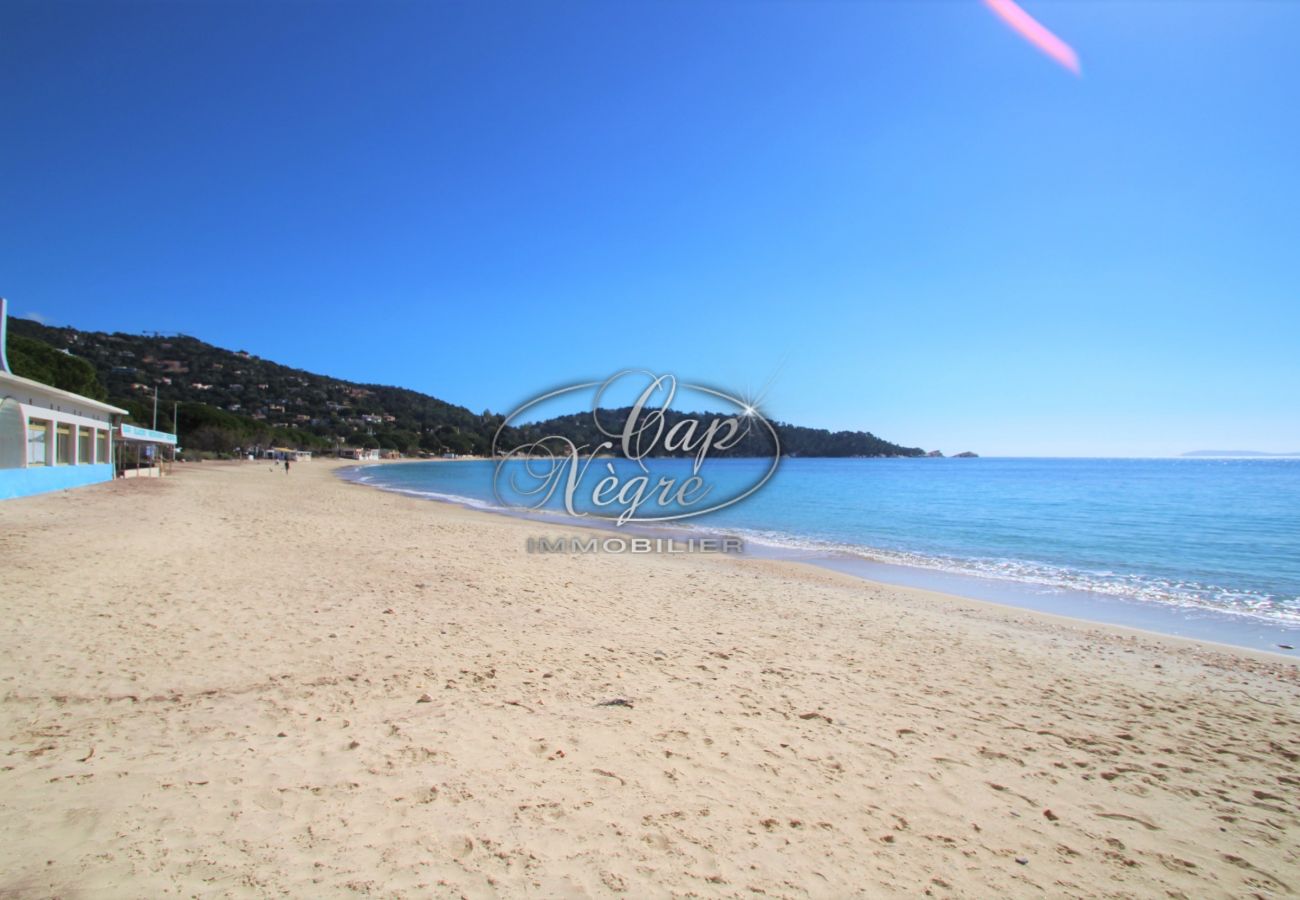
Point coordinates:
[(1207, 625), (280, 683)]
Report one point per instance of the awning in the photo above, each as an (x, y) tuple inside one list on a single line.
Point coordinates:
[(146, 435)]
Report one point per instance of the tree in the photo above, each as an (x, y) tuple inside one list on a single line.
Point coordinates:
[(41, 362), (213, 439), (457, 442)]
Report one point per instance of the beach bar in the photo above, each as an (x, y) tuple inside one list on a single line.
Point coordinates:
[(142, 451), (50, 439)]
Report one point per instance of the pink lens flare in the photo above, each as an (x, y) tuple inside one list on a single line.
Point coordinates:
[(1029, 29)]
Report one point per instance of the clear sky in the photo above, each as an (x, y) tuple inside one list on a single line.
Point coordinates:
[(901, 215)]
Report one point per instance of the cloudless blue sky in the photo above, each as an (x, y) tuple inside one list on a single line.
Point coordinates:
[(901, 214)]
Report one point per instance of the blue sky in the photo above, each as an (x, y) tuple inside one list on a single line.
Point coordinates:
[(900, 214)]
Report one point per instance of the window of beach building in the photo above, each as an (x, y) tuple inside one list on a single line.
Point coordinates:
[(101, 445), (38, 442), (63, 445), (85, 445)]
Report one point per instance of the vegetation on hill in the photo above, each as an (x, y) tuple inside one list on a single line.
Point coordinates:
[(226, 399), (39, 361), (231, 399)]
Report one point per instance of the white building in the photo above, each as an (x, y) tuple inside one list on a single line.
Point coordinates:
[(50, 439)]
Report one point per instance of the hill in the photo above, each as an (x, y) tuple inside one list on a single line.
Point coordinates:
[(230, 398), (233, 398)]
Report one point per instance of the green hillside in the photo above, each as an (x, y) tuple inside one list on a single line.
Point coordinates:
[(230, 398)]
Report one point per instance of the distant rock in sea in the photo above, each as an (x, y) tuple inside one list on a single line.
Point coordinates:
[(967, 454), (935, 454)]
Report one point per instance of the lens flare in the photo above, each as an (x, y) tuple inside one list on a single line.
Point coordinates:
[(1028, 28)]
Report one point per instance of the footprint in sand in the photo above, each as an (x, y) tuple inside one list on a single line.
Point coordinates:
[(460, 846), (1124, 817)]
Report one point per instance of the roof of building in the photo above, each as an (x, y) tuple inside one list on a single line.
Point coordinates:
[(8, 379)]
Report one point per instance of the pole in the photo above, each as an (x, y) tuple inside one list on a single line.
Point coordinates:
[(4, 324), (155, 407)]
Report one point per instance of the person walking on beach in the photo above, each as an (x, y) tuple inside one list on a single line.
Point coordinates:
[(286, 465)]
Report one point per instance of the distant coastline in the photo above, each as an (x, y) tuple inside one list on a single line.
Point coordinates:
[(1237, 454)]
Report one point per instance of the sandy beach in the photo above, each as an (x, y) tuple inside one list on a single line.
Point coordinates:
[(236, 683)]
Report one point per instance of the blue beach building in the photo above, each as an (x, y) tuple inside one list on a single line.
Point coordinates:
[(50, 439)]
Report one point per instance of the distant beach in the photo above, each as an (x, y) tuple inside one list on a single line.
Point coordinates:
[(292, 684)]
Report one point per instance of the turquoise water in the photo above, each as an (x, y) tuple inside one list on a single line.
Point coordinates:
[(1216, 541)]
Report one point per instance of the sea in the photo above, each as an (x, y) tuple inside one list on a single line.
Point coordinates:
[(1199, 548)]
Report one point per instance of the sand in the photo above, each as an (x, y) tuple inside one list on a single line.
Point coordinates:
[(235, 682)]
